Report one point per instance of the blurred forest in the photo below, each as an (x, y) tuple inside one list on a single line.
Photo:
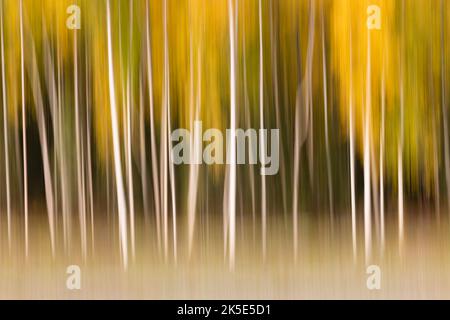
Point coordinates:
[(87, 115)]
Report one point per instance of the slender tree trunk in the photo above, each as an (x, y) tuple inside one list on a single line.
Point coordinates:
[(24, 132), (401, 137), (80, 171), (153, 148), (5, 132), (251, 172), (382, 141), (128, 135), (88, 148), (232, 170), (352, 154), (367, 166), (143, 152), (274, 56), (195, 147), (325, 114), (121, 203), (261, 135)]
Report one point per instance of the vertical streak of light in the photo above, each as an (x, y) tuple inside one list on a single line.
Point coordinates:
[(297, 146), (130, 173), (62, 157), (304, 95), (168, 140), (274, 59), (367, 200), (89, 156), (24, 130), (40, 115), (225, 213), (274, 34), (196, 146), (352, 152), (296, 178), (401, 138), (51, 87), (375, 202), (128, 135), (325, 112), (5, 131), (197, 111), (232, 177), (261, 134), (122, 209), (248, 124), (191, 199), (236, 44), (143, 151), (80, 172), (164, 138), (155, 176), (310, 136), (383, 106), (163, 164)]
